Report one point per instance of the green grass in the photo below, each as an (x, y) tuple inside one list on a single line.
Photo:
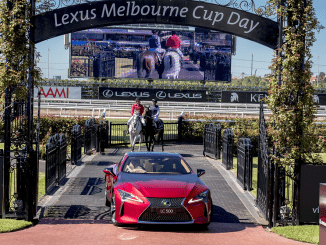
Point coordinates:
[(302, 233), (7, 225)]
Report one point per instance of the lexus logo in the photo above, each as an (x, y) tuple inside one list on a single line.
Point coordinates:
[(166, 203), (107, 93), (160, 95)]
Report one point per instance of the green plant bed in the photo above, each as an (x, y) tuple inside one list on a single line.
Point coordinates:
[(302, 233), (7, 225)]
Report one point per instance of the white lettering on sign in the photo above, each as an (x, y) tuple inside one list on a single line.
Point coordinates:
[(58, 92), (74, 17), (235, 18), (315, 210), (131, 8), (257, 97)]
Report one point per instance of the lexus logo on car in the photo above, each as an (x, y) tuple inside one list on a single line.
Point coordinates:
[(160, 95), (166, 203), (107, 93)]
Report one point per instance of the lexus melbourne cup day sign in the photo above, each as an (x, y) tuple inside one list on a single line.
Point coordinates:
[(149, 94), (189, 13)]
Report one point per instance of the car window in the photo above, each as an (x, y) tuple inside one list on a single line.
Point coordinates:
[(156, 165)]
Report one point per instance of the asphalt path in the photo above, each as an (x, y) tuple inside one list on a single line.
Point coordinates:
[(75, 213)]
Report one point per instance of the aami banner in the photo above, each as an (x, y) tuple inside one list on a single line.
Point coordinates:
[(54, 92), (242, 97), (149, 94)]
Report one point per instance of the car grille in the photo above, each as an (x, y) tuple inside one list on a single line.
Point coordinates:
[(150, 215)]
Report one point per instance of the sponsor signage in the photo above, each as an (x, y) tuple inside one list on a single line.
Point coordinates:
[(242, 97), (54, 92), (188, 13), (311, 177), (255, 97), (149, 94)]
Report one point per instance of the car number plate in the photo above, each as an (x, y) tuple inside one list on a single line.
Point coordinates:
[(166, 211)]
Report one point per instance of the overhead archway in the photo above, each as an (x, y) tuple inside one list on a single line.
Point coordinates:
[(189, 13)]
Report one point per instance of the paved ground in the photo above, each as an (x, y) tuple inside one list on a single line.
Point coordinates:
[(83, 197), (75, 213)]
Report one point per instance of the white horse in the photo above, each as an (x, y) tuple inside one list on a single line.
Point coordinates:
[(172, 65), (135, 130)]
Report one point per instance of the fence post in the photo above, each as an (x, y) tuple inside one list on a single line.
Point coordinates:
[(73, 145), (180, 128), (227, 158), (218, 141)]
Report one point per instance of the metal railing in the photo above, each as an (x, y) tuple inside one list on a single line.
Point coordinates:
[(55, 166), (244, 163), (227, 153), (76, 143), (89, 136), (212, 140)]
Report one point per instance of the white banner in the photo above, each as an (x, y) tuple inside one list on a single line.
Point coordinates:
[(54, 92)]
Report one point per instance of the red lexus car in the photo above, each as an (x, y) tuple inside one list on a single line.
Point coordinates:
[(156, 188)]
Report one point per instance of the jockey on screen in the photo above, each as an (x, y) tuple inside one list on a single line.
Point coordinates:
[(139, 107), (174, 43), (155, 45), (155, 111)]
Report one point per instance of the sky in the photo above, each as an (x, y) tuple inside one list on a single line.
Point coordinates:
[(54, 59)]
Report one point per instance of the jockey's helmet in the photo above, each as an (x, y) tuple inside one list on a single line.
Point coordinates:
[(154, 100), (137, 99)]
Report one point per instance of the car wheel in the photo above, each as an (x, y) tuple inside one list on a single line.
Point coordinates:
[(107, 202)]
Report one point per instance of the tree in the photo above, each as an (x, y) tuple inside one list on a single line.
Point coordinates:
[(291, 98)]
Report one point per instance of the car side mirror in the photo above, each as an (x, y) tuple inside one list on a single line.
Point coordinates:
[(109, 171), (200, 172)]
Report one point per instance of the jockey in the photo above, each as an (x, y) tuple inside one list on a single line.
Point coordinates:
[(155, 45), (174, 43), (155, 111), (139, 107)]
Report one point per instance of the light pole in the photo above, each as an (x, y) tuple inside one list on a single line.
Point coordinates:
[(48, 63), (252, 62)]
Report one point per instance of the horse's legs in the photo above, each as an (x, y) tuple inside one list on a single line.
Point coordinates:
[(153, 141), (132, 143), (140, 138)]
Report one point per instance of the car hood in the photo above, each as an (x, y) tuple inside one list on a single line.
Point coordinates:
[(152, 185)]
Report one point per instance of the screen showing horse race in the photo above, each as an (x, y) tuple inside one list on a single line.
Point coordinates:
[(192, 54)]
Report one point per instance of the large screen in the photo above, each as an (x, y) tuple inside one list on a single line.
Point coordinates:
[(195, 54)]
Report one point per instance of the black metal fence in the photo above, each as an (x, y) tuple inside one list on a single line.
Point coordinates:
[(265, 172), (76, 144), (89, 136), (212, 140), (244, 163), (227, 153), (55, 166), (118, 133)]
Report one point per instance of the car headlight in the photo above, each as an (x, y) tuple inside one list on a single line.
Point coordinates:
[(200, 197), (125, 196)]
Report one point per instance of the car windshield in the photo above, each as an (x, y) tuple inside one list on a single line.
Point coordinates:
[(156, 165)]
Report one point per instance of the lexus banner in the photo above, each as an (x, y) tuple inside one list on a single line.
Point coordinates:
[(149, 94)]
